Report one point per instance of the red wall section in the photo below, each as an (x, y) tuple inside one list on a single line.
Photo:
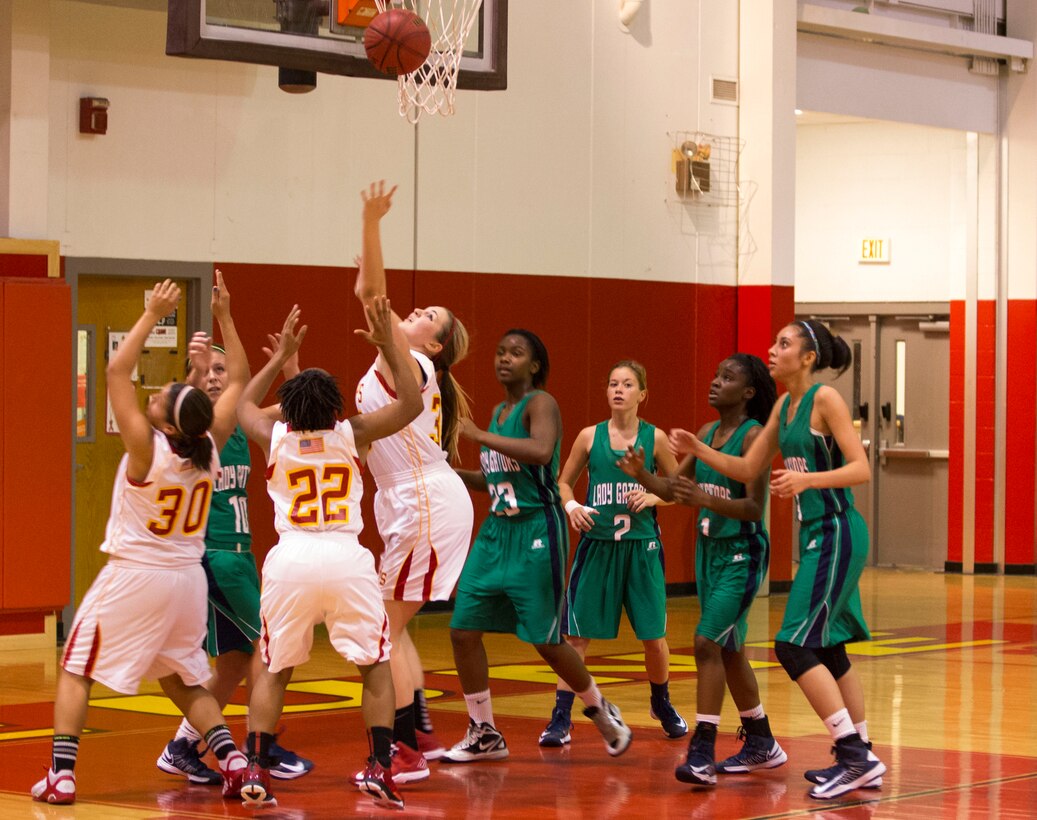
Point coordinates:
[(1021, 433), (36, 441), (763, 310), (678, 331), (23, 264), (956, 435), (986, 367)]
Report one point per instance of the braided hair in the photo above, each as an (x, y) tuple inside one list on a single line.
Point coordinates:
[(759, 378), (190, 412), (311, 400)]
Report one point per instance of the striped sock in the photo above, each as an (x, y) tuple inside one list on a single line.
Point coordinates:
[(64, 752), (222, 744)]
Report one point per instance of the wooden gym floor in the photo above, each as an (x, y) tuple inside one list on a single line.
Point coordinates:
[(951, 681)]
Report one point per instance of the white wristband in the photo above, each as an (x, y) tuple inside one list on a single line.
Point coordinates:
[(571, 505)]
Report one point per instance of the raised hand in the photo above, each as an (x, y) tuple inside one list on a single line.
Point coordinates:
[(220, 303), (633, 461), (376, 201), (289, 340), (164, 298), (291, 367), (378, 313), (199, 352), (638, 500), (681, 442)]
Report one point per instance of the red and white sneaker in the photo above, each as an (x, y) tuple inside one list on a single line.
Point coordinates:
[(57, 787), (378, 783), (233, 772), (408, 765), (255, 788), (429, 745)]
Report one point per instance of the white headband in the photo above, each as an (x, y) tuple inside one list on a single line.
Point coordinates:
[(178, 404)]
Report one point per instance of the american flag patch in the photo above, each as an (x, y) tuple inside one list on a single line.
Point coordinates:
[(308, 446)]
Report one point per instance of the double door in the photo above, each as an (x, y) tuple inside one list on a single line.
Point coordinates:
[(898, 394)]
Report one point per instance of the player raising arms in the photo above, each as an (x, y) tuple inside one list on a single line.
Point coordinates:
[(823, 457), (732, 553), (318, 571), (619, 561), (513, 580), (148, 602), (423, 512)]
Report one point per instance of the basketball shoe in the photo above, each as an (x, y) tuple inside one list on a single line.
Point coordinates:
[(182, 757), (558, 730), (699, 768), (255, 788), (429, 745), (758, 752), (821, 775), (378, 783), (614, 731), (57, 787), (481, 742), (673, 724), (287, 764), (233, 774), (408, 765), (855, 767)]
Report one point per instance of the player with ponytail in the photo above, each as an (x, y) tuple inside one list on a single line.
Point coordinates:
[(148, 602), (823, 457), (423, 512)]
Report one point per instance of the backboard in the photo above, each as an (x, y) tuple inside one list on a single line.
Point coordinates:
[(325, 36)]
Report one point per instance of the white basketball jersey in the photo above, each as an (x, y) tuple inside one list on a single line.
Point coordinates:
[(416, 446), (314, 480), (160, 522)]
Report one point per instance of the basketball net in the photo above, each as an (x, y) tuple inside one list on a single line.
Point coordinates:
[(431, 87)]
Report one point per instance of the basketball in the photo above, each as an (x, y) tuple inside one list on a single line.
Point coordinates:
[(397, 41)]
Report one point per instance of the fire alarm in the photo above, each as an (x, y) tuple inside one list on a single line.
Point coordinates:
[(93, 115)]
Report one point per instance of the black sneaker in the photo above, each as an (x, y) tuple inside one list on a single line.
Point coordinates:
[(855, 767), (822, 775), (699, 768), (558, 730), (481, 742), (757, 753), (673, 724), (287, 765), (183, 758)]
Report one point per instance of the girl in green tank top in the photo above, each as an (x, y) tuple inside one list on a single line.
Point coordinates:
[(519, 459), (823, 456), (732, 553), (617, 509)]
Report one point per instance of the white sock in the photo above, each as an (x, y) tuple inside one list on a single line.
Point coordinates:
[(232, 762), (480, 708), (185, 729), (753, 714), (839, 724), (714, 719), (592, 697), (862, 730)]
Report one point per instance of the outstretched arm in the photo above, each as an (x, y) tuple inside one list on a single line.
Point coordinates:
[(258, 426), (225, 417), (749, 508), (741, 468), (396, 415), (134, 428)]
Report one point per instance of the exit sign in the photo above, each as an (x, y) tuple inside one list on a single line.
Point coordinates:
[(873, 251)]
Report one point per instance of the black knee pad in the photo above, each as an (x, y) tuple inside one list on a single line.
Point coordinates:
[(795, 659), (835, 660)]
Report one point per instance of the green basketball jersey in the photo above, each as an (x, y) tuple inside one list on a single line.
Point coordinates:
[(807, 451), (608, 486), (719, 485), (228, 515), (515, 487)]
